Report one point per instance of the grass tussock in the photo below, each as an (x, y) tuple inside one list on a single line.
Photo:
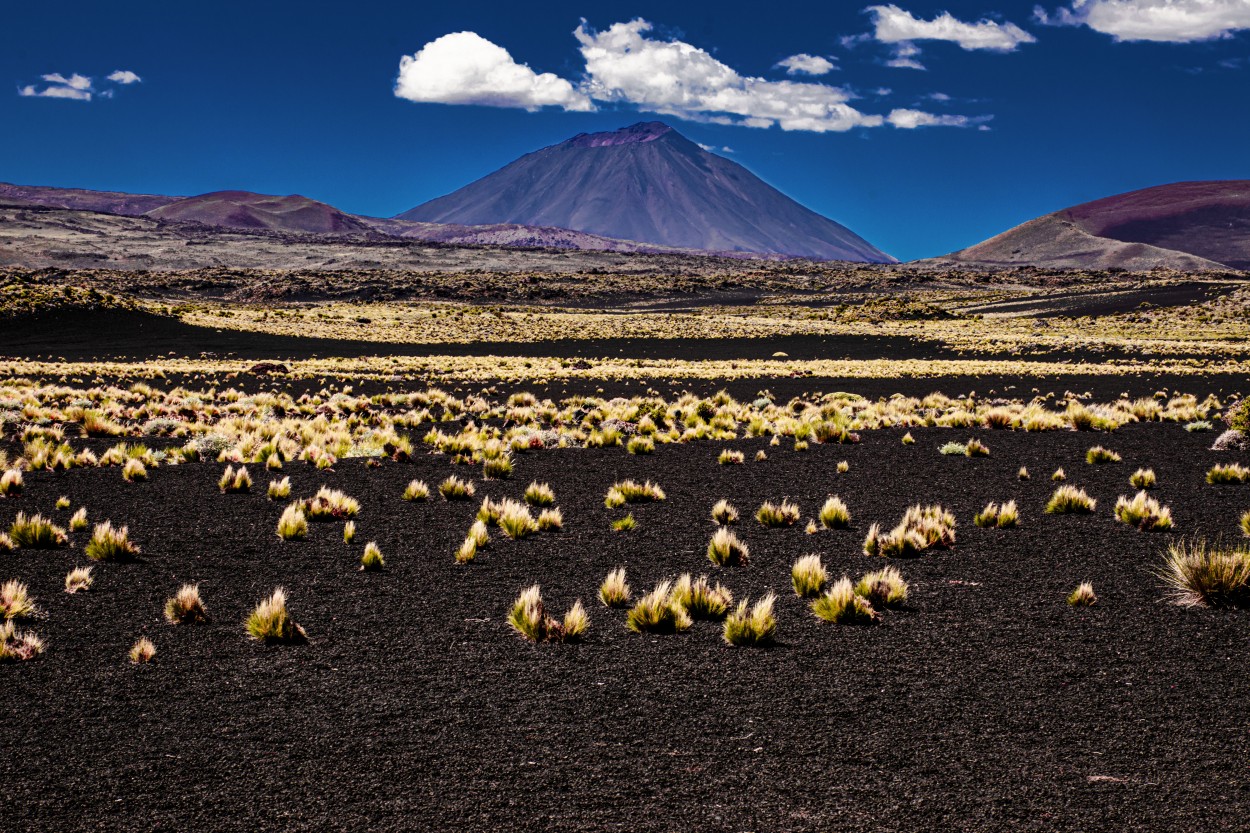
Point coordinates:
[(142, 652), (1231, 473), (1244, 523), (16, 601), (11, 483), (629, 491), (36, 533), (1058, 476), (1083, 595), (883, 588), (551, 520), (808, 576), (1198, 574), (771, 515), (497, 468), (453, 488), (515, 519), (730, 457), (624, 524), (700, 599), (78, 521), (269, 621), (615, 590), (293, 525), (658, 612), (416, 491), (468, 550), (724, 513), (843, 606), (349, 532), (922, 528), (529, 619), (372, 560), (976, 448), (1098, 455), (1070, 500), (235, 482), (539, 495), (755, 627), (844, 467), (110, 543), (725, 550), (1143, 512), (1023, 474), (134, 471), (18, 646), (953, 449), (908, 439), (78, 579), (834, 514), (280, 489), (330, 504), (186, 607), (1143, 479), (1005, 516), (640, 445)]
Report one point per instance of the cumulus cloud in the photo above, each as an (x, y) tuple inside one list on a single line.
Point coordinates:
[(124, 76), (75, 87), (1171, 21), (906, 56), (911, 119), (804, 64), (895, 25), (465, 68)]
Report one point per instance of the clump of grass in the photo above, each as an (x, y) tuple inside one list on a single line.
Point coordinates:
[(539, 494), (1070, 500), (808, 576), (550, 520), (62, 503), (330, 504), (453, 488), (754, 628), (1230, 473), (615, 591), (640, 444), (269, 621), (624, 524), (1143, 479), (529, 618), (1005, 516), (976, 448), (834, 514), (1143, 512), (186, 607), (349, 532), (109, 543), (1200, 575), (467, 551), (908, 439), (657, 612), (1083, 595), (843, 606), (11, 483), (1198, 425), (922, 528), (1245, 524), (844, 467), (235, 482), (416, 491), (488, 512), (730, 457), (800, 445), (700, 599), (724, 513), (77, 579), (497, 468), (372, 560), (134, 471), (761, 455), (628, 491), (78, 521), (883, 588), (18, 646), (515, 520), (953, 449), (1023, 474), (1058, 476), (143, 651), (280, 489), (16, 601), (725, 550), (480, 533), (771, 515), (6, 543), (293, 525), (1099, 455), (36, 533)]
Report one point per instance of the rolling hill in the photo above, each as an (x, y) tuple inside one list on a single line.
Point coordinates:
[(245, 210)]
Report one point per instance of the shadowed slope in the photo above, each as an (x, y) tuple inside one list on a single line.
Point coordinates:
[(245, 210)]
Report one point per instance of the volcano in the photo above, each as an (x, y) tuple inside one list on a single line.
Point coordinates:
[(245, 210), (650, 184)]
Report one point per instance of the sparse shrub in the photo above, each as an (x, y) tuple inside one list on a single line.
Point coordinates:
[(1197, 574), (453, 488), (18, 646), (488, 512), (550, 520), (730, 457), (1023, 474), (761, 455), (834, 514), (16, 601), (480, 534), (62, 503), (36, 533), (615, 592), (883, 588), (109, 543), (270, 623), (11, 483), (656, 612), (78, 521), (529, 618), (274, 463), (134, 471), (515, 520), (416, 491), (77, 579), (280, 489), (186, 607), (755, 628), (539, 494), (771, 515), (143, 651), (640, 444), (1142, 479), (952, 449), (1230, 473), (235, 482), (628, 491), (908, 439), (724, 513), (800, 445), (725, 550), (467, 551), (700, 599), (844, 467), (293, 525), (1070, 500), (624, 524), (1198, 425), (349, 532), (993, 515), (922, 528), (330, 504), (497, 468), (1083, 595), (1143, 512), (1058, 476), (808, 576), (1099, 455), (6, 543), (372, 560), (843, 606), (976, 448)]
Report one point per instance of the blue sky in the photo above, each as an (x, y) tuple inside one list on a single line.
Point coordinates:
[(1030, 110)]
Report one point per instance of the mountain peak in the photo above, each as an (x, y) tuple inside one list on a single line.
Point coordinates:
[(635, 134)]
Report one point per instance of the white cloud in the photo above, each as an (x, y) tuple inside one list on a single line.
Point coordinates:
[(804, 64), (675, 78), (1173, 21), (465, 68), (894, 25), (911, 119), (75, 88), (124, 76), (906, 56)]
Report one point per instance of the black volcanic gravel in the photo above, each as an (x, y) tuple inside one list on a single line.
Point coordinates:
[(987, 704)]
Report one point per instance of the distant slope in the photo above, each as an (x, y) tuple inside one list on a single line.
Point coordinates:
[(650, 184), (1188, 226), (245, 210), (79, 199)]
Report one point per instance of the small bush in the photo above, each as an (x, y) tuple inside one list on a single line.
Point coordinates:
[(883, 588), (908, 439), (724, 513), (77, 579), (416, 491), (771, 515), (497, 468), (134, 471), (1245, 524), (550, 520), (293, 525), (624, 524), (725, 550), (1231, 473), (700, 599), (1198, 425), (235, 482), (16, 601), (656, 612), (6, 543), (280, 489), (78, 521), (808, 576), (761, 455), (36, 533), (1058, 476), (1142, 479), (843, 606), (834, 514), (330, 504), (640, 445), (18, 646), (953, 449), (372, 560), (453, 488), (488, 512), (539, 494), (843, 467), (627, 491), (976, 448), (515, 520), (11, 483), (1023, 474), (529, 618), (1197, 574), (755, 628), (1099, 455), (922, 528), (186, 607), (480, 533), (1083, 595), (615, 592), (143, 651), (109, 543), (993, 515), (270, 623), (349, 532), (1143, 512), (1070, 500), (467, 551), (729, 457)]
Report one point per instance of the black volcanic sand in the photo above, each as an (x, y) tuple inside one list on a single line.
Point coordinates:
[(986, 704)]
